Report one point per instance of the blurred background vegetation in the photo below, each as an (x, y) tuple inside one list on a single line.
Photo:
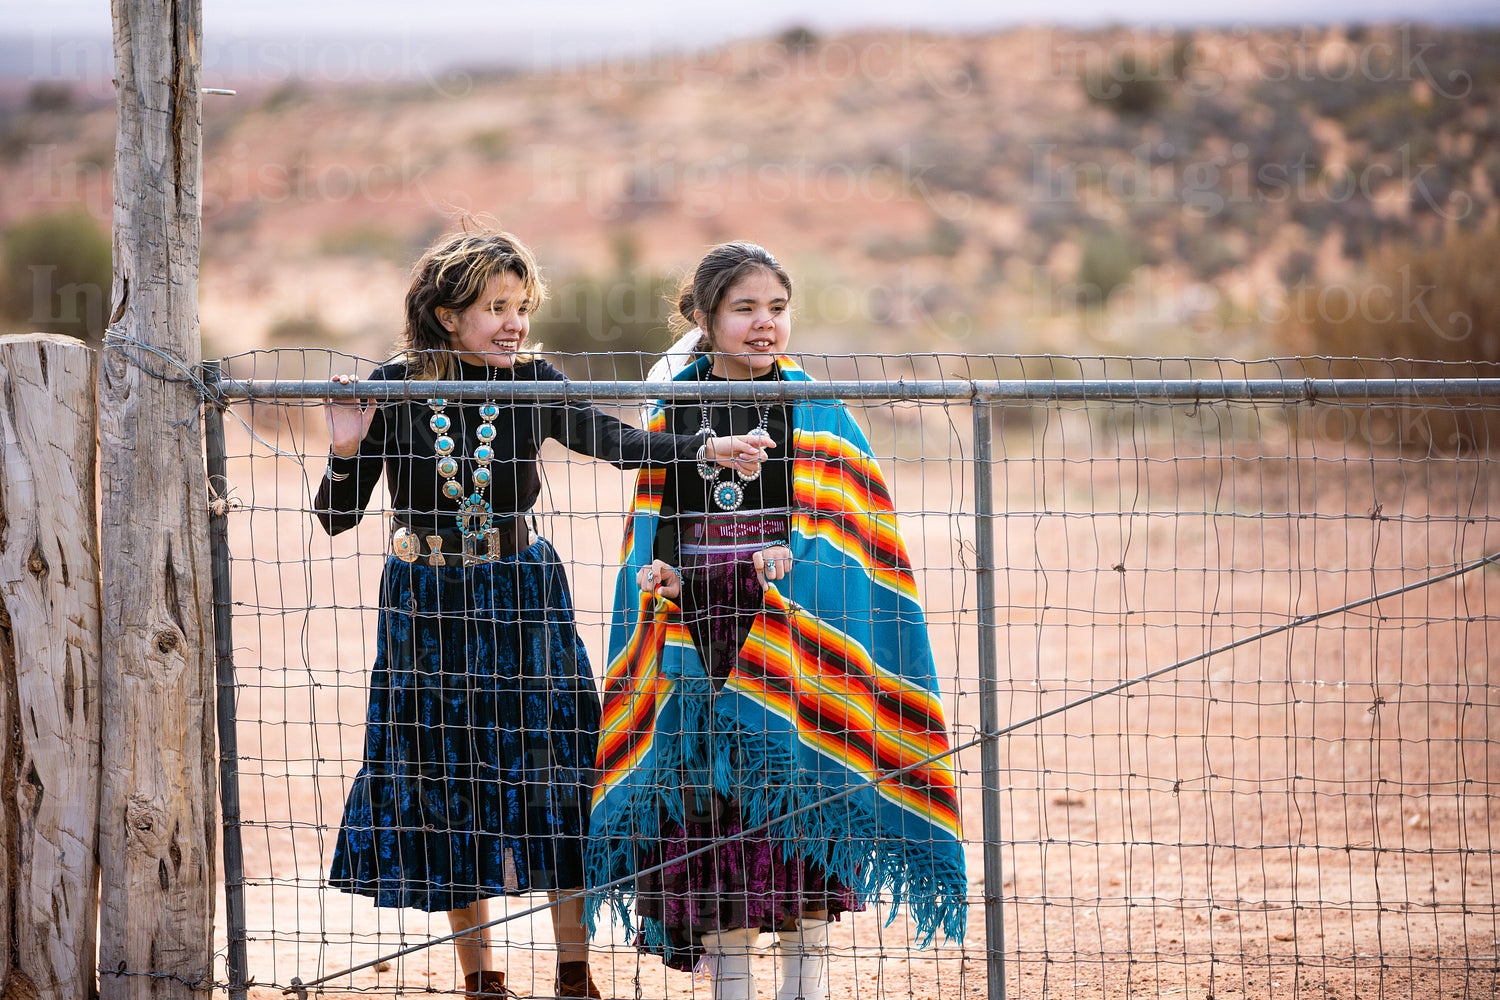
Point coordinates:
[(1307, 192), (55, 275)]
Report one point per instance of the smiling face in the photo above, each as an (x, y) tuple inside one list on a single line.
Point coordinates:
[(751, 326), (490, 331)]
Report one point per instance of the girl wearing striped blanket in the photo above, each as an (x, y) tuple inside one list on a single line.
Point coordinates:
[(770, 689)]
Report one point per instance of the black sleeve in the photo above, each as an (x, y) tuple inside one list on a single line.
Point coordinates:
[(582, 427), (585, 429), (348, 482)]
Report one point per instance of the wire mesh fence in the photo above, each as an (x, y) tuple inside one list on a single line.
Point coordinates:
[(1240, 742)]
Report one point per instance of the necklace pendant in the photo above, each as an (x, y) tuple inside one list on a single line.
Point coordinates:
[(729, 495), (474, 515)]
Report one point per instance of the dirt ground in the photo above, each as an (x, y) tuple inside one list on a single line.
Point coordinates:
[(1305, 811)]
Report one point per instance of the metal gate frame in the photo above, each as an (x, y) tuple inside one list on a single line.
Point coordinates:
[(981, 395)]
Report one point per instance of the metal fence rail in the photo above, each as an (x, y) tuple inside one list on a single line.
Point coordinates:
[(1230, 659), (1307, 390)]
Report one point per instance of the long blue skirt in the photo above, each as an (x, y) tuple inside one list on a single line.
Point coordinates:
[(479, 739)]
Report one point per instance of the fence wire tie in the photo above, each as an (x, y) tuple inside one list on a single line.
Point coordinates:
[(206, 984), (1192, 411), (209, 376), (117, 342), (220, 504)]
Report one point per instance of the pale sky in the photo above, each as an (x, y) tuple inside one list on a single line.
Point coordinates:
[(693, 20), (477, 32)]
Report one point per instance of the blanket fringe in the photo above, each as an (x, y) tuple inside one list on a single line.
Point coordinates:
[(762, 774)]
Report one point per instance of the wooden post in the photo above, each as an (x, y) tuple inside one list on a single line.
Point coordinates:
[(157, 829), (49, 668)]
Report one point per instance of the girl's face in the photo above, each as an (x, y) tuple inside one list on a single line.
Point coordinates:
[(750, 327), (490, 331)]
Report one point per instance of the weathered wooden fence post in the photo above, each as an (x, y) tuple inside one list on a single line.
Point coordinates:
[(157, 819), (49, 668)]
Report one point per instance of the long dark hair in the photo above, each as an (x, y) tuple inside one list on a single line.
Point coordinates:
[(711, 280), (452, 274)]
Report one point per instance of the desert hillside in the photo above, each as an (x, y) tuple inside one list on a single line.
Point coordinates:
[(1038, 190)]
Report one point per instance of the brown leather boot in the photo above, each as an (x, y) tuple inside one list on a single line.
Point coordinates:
[(489, 985), (575, 980)]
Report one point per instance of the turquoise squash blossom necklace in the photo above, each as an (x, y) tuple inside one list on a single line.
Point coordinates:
[(476, 519)]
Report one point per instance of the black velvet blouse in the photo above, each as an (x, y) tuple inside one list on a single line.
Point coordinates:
[(402, 445)]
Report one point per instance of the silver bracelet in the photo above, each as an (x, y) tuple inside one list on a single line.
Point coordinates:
[(334, 477), (708, 473)]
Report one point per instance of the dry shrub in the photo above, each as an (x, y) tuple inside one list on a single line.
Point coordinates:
[(55, 275), (1130, 84), (1419, 312)]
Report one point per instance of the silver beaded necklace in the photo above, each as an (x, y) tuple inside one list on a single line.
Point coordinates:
[(727, 495)]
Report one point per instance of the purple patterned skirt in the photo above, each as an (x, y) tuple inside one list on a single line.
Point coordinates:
[(748, 882)]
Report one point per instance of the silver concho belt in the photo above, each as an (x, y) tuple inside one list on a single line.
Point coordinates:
[(444, 547)]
